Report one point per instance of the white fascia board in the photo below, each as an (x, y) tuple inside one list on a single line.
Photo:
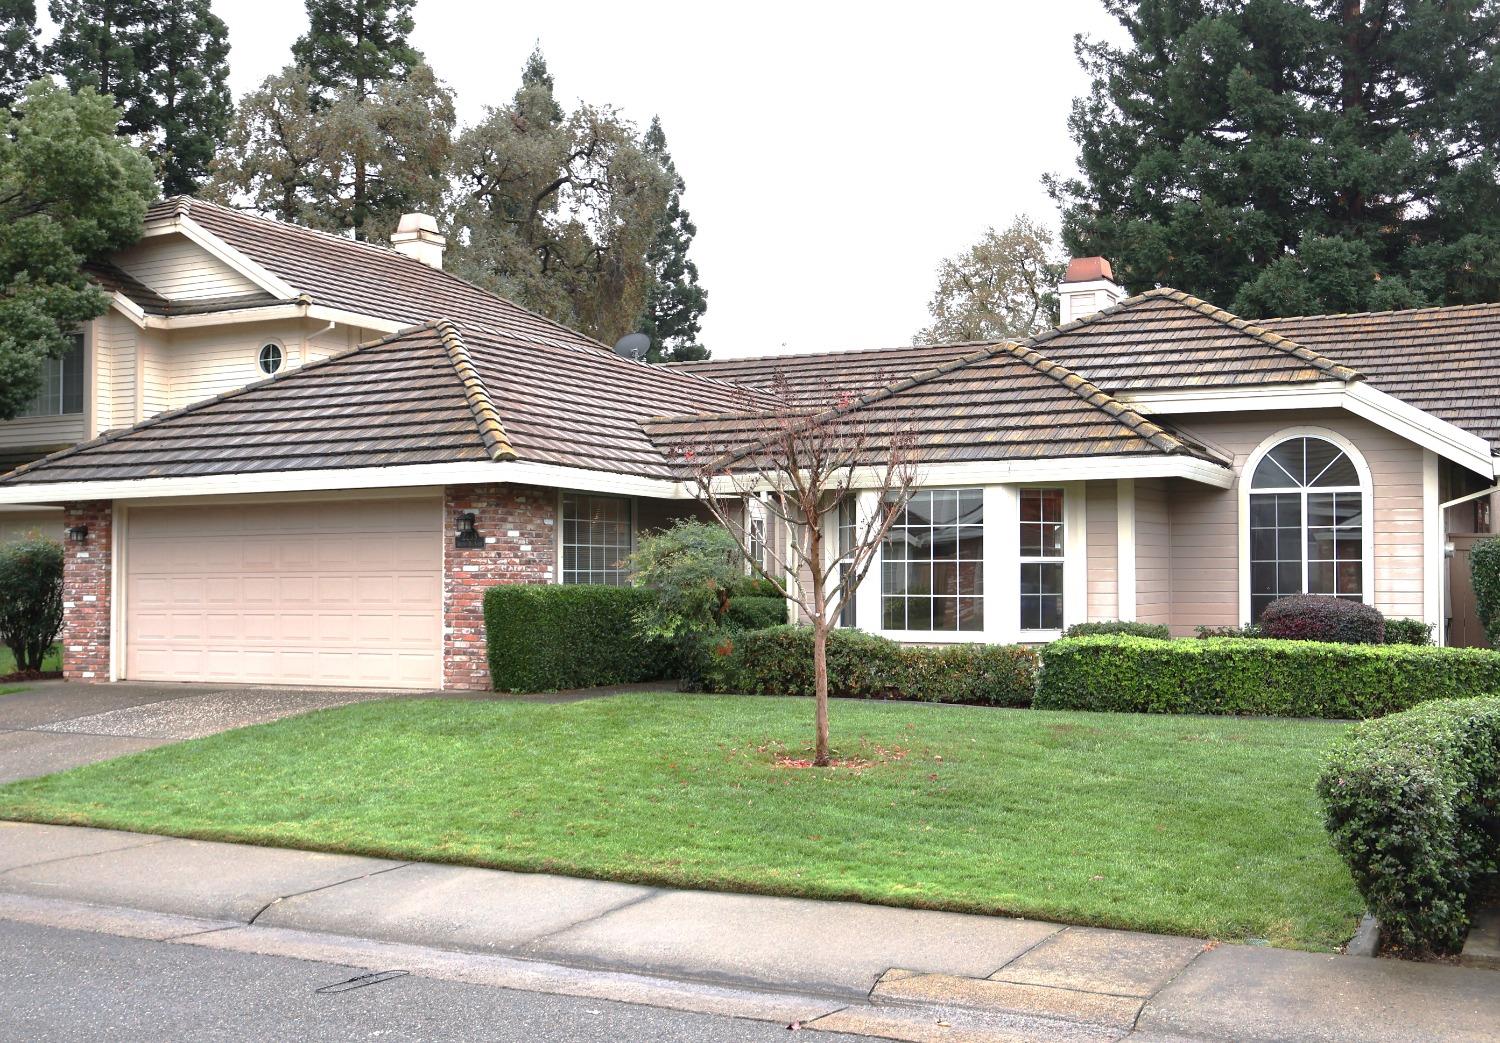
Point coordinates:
[(1384, 410), (1003, 472), (273, 312), (128, 308), (262, 277), (405, 476), (27, 508)]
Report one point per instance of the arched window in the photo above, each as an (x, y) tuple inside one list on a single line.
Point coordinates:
[(1307, 523)]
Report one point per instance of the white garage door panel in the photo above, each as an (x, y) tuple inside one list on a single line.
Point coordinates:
[(338, 594)]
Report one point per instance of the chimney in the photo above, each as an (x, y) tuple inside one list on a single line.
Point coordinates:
[(1088, 287), (417, 237)]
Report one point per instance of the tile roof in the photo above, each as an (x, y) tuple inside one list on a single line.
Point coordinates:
[(999, 402), (820, 377), (1443, 360), (437, 393)]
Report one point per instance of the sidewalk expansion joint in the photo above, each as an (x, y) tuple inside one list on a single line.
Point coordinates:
[(1146, 1000), (637, 900), (324, 887), (85, 854), (1027, 951)]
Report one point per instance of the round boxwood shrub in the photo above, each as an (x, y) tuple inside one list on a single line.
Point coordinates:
[(1322, 617), (1407, 632), (1130, 627)]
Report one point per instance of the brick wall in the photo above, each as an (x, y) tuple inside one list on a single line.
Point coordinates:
[(86, 593), (519, 526)]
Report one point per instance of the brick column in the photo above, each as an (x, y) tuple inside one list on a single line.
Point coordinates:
[(519, 526), (87, 592)]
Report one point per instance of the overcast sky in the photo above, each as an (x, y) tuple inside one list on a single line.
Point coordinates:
[(833, 154)]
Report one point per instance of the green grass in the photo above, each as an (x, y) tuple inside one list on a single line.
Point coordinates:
[(51, 661), (1188, 825)]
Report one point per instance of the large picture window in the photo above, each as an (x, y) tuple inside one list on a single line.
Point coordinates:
[(1306, 524), (62, 384), (932, 568), (1043, 532), (595, 539)]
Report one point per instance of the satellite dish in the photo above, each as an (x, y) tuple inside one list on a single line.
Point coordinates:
[(633, 346)]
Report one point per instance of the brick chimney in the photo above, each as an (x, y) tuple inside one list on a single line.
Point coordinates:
[(417, 237), (1088, 287)]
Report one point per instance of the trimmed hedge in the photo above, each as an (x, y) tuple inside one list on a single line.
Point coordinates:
[(779, 661), (1407, 632), (543, 637), (1413, 806), (1484, 571), (755, 613), (1222, 675), (1322, 617), (1159, 631)]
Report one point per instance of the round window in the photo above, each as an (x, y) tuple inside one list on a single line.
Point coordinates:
[(270, 358)]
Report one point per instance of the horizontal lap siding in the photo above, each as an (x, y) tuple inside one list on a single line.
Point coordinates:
[(1153, 564), (1103, 552), (1205, 521), (179, 269)]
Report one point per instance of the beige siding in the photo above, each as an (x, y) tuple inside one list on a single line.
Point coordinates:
[(1153, 558), (1205, 558), (1103, 556), (153, 373), (211, 360), (115, 339), (180, 269), (41, 432), (15, 524)]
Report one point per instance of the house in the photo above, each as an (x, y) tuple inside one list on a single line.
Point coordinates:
[(417, 440)]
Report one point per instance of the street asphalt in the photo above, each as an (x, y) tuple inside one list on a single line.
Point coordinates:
[(78, 985)]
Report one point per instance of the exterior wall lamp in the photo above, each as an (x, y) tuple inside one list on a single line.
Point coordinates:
[(468, 537), (78, 534)]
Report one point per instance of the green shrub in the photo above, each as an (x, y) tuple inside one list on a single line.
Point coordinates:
[(779, 661), (1246, 630), (753, 587), (1412, 802), (542, 637), (748, 612), (1263, 677), (1484, 570), (1407, 632), (1159, 631), (1322, 617), (31, 575)]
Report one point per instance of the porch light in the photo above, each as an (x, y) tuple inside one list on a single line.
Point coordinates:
[(78, 534), (468, 537)]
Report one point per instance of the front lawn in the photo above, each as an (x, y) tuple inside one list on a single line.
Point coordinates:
[(1188, 825)]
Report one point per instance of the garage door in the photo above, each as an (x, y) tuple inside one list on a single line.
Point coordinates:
[(317, 594)]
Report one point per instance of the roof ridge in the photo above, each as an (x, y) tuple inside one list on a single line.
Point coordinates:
[(832, 353), (114, 434), (491, 430), (1381, 312)]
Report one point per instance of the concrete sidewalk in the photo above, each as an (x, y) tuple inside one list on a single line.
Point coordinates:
[(897, 973)]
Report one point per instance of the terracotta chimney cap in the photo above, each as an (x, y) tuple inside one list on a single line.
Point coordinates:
[(1088, 269)]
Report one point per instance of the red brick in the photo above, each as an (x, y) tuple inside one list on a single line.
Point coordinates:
[(87, 592)]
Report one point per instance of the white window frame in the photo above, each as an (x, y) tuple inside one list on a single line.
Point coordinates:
[(1060, 558), (757, 533), (632, 520), (55, 375), (260, 349), (1367, 510)]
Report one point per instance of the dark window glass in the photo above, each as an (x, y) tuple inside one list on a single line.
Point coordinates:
[(932, 554)]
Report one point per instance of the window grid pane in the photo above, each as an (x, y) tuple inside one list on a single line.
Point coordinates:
[(1042, 542), (61, 392), (932, 573), (848, 526), (596, 539)]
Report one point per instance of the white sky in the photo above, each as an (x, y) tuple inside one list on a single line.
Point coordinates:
[(833, 153)]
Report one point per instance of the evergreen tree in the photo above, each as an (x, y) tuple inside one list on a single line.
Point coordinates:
[(1287, 156), (675, 303), (71, 191), (557, 211), (350, 45), (166, 62), (20, 58), (350, 164)]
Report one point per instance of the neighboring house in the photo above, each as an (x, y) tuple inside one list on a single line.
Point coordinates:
[(1153, 458)]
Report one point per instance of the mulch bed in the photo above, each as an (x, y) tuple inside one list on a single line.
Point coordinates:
[(31, 675)]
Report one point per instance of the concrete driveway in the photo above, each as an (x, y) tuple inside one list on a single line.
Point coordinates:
[(52, 725)]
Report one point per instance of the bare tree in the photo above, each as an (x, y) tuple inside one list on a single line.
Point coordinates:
[(799, 463)]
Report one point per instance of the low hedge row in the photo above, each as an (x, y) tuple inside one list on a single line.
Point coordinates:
[(755, 612), (1221, 675), (545, 637), (1413, 806), (779, 661)]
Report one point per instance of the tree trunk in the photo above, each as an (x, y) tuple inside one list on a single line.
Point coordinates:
[(821, 758)]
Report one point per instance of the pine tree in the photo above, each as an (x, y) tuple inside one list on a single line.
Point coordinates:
[(675, 302), (358, 60), (350, 45), (536, 98), (20, 58), (166, 63), (1284, 156)]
